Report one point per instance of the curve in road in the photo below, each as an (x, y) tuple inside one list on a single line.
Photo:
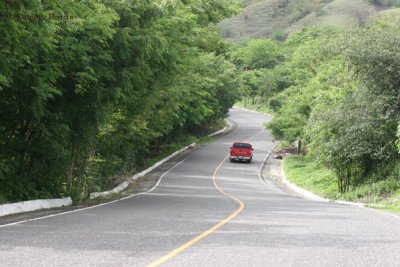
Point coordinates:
[(274, 229)]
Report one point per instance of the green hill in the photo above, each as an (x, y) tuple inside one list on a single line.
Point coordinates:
[(278, 18)]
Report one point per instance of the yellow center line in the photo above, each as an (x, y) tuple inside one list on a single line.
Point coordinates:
[(212, 229), (207, 232)]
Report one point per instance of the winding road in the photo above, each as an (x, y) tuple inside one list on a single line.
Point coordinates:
[(206, 211)]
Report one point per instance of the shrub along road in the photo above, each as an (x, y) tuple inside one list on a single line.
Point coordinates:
[(207, 211)]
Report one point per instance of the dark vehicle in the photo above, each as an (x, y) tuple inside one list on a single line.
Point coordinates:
[(241, 152)]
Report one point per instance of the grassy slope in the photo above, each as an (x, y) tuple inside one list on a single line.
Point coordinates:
[(263, 18), (308, 174), (257, 20), (338, 12)]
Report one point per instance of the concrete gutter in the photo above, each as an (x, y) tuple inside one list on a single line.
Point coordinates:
[(39, 204), (220, 131), (33, 205), (300, 191), (311, 196), (126, 183)]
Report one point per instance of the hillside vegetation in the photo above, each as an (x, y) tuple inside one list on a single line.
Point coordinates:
[(276, 19), (334, 90)]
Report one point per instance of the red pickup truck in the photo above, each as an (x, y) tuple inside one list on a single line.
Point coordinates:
[(241, 152)]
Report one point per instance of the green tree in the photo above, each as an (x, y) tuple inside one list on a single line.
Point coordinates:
[(78, 95), (256, 54), (313, 66), (28, 71), (352, 137)]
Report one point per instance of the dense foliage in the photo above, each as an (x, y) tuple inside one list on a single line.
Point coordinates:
[(89, 88), (337, 91)]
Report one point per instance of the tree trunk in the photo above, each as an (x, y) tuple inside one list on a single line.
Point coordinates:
[(84, 167), (70, 172), (298, 146)]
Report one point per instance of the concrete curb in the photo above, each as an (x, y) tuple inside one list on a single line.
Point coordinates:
[(220, 131), (229, 127), (39, 204), (302, 192), (311, 196), (125, 184), (32, 205)]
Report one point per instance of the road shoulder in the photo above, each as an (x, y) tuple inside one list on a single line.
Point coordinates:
[(140, 185)]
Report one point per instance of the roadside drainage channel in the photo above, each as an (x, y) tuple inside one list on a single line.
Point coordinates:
[(126, 183), (311, 196), (42, 204), (303, 193)]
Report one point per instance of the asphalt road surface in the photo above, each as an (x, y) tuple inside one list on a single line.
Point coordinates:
[(207, 211)]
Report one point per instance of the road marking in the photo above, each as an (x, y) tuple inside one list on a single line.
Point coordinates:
[(99, 205), (209, 231), (215, 227)]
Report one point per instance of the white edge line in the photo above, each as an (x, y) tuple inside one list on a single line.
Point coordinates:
[(262, 167), (99, 205), (162, 176), (120, 187), (126, 183), (117, 189), (103, 204)]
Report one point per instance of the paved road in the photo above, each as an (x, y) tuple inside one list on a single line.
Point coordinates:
[(249, 223)]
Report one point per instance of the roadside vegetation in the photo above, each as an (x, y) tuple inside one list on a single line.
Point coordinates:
[(308, 173), (335, 91), (93, 90)]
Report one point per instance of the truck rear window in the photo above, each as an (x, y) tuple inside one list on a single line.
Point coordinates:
[(242, 145)]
